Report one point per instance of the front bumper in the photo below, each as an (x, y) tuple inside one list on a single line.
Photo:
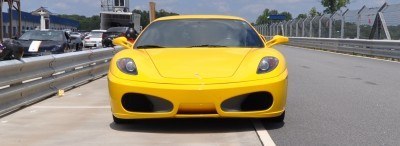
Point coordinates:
[(40, 53), (196, 96)]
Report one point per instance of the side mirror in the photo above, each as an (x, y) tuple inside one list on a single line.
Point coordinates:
[(122, 41), (276, 40)]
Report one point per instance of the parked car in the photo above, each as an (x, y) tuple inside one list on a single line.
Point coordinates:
[(13, 51), (77, 34), (112, 33), (41, 42), (78, 42), (94, 39)]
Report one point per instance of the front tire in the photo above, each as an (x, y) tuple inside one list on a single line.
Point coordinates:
[(66, 49), (79, 47), (18, 53), (5, 55)]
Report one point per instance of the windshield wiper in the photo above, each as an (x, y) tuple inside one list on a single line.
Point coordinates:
[(207, 45), (149, 46)]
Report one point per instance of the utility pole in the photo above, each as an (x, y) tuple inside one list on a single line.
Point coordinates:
[(152, 11)]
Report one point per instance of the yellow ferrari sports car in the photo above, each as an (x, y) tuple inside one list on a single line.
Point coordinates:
[(198, 66)]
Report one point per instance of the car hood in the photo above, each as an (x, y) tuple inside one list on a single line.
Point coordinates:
[(202, 63), (45, 46), (26, 44)]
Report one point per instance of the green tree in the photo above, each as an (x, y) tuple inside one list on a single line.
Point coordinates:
[(145, 20), (263, 18), (301, 16), (85, 23), (163, 13), (333, 5), (288, 15), (313, 12)]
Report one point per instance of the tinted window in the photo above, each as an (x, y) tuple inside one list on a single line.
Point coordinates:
[(200, 32), (96, 34), (117, 29), (43, 35)]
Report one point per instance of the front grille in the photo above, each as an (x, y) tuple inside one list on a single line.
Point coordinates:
[(257, 101), (135, 102)]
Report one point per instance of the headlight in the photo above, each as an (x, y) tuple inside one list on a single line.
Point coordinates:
[(127, 65), (267, 64)]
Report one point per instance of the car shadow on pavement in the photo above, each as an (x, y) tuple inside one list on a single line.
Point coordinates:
[(186, 126), (270, 125)]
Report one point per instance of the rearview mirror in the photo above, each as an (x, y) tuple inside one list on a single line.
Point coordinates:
[(278, 39), (122, 41)]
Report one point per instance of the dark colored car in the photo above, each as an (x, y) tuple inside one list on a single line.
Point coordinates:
[(78, 43), (12, 52), (112, 33), (77, 34), (42, 42)]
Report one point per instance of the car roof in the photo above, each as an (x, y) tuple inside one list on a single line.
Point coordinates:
[(200, 17)]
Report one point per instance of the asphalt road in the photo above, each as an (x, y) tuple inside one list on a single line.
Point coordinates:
[(333, 99), (337, 99), (83, 117)]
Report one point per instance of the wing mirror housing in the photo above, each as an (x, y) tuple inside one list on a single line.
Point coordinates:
[(122, 41), (276, 40)]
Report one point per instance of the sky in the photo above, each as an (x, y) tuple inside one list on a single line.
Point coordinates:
[(248, 9)]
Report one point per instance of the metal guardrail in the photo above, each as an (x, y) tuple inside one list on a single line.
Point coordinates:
[(376, 48), (378, 22), (25, 81)]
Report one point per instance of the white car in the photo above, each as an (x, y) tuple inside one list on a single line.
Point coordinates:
[(93, 39)]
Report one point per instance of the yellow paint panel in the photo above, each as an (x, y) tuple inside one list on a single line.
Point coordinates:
[(197, 63)]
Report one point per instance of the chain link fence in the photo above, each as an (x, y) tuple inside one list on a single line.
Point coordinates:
[(381, 22)]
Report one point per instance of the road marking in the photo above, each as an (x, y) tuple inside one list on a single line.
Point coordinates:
[(71, 107), (262, 133), (4, 122), (345, 54)]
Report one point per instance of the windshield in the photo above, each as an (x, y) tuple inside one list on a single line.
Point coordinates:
[(43, 35), (95, 34), (117, 29), (199, 33)]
